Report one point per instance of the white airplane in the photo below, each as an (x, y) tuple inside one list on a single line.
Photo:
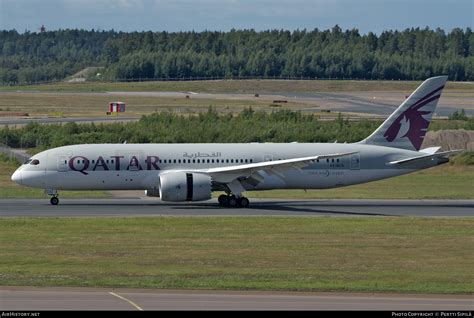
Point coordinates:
[(191, 172)]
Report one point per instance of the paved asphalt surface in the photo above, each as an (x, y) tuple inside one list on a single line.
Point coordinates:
[(356, 104), (260, 207), (31, 298)]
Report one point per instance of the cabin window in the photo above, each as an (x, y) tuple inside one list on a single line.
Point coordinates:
[(34, 162), (174, 160), (227, 160), (199, 160), (251, 160), (194, 160)]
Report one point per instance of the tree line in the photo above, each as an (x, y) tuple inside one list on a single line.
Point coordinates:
[(209, 127), (412, 54)]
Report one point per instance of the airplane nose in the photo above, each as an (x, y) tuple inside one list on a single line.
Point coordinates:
[(16, 177)]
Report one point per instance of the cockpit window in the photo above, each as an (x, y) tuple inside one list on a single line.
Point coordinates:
[(27, 161), (34, 162)]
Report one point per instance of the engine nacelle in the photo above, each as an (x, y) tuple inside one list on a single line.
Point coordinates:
[(182, 186), (152, 193)]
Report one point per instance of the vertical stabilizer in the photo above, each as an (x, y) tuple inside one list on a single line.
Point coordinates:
[(407, 126)]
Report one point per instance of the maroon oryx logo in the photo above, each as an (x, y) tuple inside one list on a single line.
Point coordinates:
[(413, 117)]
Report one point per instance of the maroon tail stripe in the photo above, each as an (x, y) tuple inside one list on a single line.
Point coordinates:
[(427, 96), (429, 100)]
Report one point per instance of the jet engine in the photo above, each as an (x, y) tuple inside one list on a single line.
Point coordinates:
[(183, 186)]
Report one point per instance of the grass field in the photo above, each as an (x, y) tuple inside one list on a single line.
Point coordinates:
[(236, 86), (96, 105), (402, 255), (89, 99)]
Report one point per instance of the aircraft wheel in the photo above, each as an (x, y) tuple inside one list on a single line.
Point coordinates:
[(223, 199), (54, 201), (232, 202), (244, 202)]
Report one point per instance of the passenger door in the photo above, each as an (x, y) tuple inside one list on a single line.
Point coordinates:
[(355, 162), (62, 163)]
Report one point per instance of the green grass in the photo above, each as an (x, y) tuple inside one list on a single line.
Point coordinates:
[(403, 255), (442, 182)]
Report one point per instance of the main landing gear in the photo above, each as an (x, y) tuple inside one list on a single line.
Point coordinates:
[(230, 200), (54, 196)]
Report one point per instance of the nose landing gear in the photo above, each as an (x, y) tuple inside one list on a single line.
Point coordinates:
[(54, 200), (54, 196)]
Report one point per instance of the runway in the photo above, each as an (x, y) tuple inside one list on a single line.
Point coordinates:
[(31, 298), (259, 207)]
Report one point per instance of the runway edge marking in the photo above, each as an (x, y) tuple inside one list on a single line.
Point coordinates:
[(127, 300)]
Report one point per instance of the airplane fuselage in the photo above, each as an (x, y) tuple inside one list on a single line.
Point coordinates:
[(138, 166)]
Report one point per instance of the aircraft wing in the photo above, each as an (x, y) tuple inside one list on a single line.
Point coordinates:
[(419, 158), (228, 174)]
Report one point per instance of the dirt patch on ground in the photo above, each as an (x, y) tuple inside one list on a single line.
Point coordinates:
[(450, 139)]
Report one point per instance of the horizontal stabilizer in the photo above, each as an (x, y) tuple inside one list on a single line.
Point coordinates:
[(443, 154), (430, 150)]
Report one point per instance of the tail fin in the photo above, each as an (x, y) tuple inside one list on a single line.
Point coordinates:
[(407, 126)]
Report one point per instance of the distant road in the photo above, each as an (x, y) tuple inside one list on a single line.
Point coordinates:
[(55, 120)]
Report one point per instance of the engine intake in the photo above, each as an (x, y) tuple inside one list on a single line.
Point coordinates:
[(182, 186)]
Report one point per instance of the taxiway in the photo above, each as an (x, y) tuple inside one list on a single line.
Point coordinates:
[(259, 207), (31, 298)]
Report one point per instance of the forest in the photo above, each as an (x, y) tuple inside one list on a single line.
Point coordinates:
[(166, 127), (411, 54)]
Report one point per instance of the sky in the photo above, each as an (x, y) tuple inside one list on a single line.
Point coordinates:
[(223, 15)]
